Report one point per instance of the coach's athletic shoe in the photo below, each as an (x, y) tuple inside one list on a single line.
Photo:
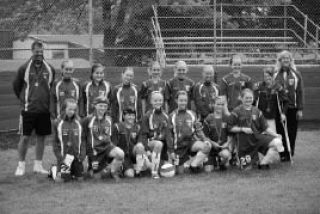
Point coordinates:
[(38, 168), (21, 169)]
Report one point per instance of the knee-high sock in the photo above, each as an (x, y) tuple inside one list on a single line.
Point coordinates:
[(155, 159), (116, 165), (198, 160), (269, 157), (139, 162)]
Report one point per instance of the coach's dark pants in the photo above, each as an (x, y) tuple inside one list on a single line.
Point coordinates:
[(292, 124)]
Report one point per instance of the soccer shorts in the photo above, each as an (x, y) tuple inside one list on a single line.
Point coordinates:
[(250, 144), (184, 151), (103, 157), (40, 122)]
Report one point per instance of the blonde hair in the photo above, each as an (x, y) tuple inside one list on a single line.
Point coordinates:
[(280, 56)]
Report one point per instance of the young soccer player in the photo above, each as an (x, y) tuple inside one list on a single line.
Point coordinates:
[(205, 93), (287, 75), (125, 96), (156, 133), (155, 83), (233, 83), (100, 149), (69, 142), (215, 128), (125, 135), (180, 82), (63, 89), (253, 133), (269, 96), (186, 140), (97, 87)]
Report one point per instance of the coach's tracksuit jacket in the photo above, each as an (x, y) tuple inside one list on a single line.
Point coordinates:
[(124, 97), (98, 134), (90, 92), (292, 83), (148, 87), (231, 87), (175, 85), (205, 94), (32, 86), (269, 99), (155, 125), (69, 139), (62, 90)]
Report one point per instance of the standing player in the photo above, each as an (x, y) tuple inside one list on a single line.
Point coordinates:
[(125, 135), (215, 128), (179, 83), (69, 143), (63, 89), (97, 87), (32, 86), (205, 93), (100, 149), (253, 133), (153, 84), (156, 133), (185, 136), (233, 83), (125, 96), (287, 75)]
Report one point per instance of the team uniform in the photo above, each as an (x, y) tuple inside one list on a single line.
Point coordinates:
[(292, 83), (125, 97), (91, 91), (231, 87), (205, 94), (150, 86), (62, 90), (249, 144), (69, 142), (184, 136), (32, 86), (98, 139), (126, 138), (175, 85), (155, 125)]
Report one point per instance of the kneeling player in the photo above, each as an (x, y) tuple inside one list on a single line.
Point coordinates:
[(253, 133), (186, 142), (125, 135), (68, 145), (155, 132), (100, 149), (215, 127)]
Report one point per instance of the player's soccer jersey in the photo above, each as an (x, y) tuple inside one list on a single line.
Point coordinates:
[(124, 97), (148, 87), (216, 128), (125, 138), (92, 91), (231, 87), (205, 94), (62, 90), (175, 85), (155, 125)]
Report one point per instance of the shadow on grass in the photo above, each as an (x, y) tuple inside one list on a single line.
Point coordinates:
[(10, 140)]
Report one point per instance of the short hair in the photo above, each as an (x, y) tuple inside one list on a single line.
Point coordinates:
[(155, 93), (179, 93), (268, 70), (94, 67), (234, 57), (246, 91), (64, 62), (65, 104), (36, 43), (127, 69)]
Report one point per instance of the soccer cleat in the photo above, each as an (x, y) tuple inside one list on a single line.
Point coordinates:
[(115, 176), (20, 171), (264, 166), (195, 170), (155, 175), (38, 168)]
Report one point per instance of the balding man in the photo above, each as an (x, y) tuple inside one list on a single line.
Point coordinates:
[(205, 93), (180, 82)]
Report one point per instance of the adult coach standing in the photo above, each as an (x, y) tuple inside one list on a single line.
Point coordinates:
[(290, 79), (32, 87)]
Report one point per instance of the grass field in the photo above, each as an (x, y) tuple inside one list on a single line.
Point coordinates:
[(284, 189)]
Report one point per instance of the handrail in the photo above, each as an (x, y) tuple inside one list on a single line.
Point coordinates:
[(162, 54)]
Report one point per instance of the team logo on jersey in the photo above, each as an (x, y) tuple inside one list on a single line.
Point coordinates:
[(187, 88), (95, 128), (133, 135), (101, 93), (76, 132), (73, 93), (291, 81), (107, 130), (132, 99), (62, 93), (45, 76), (223, 125), (242, 83), (189, 123), (254, 117), (64, 131)]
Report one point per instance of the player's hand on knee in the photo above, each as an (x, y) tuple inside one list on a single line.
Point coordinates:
[(247, 130), (139, 148)]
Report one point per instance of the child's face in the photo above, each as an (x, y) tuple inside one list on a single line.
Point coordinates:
[(208, 74), (155, 71), (181, 69), (68, 71), (129, 118), (247, 99), (219, 105), (285, 61), (98, 74), (182, 102), (71, 109), (267, 78), (127, 76), (157, 101), (101, 108), (236, 64)]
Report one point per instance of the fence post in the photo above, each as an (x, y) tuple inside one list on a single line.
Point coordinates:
[(90, 25), (305, 30), (285, 21), (215, 32)]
